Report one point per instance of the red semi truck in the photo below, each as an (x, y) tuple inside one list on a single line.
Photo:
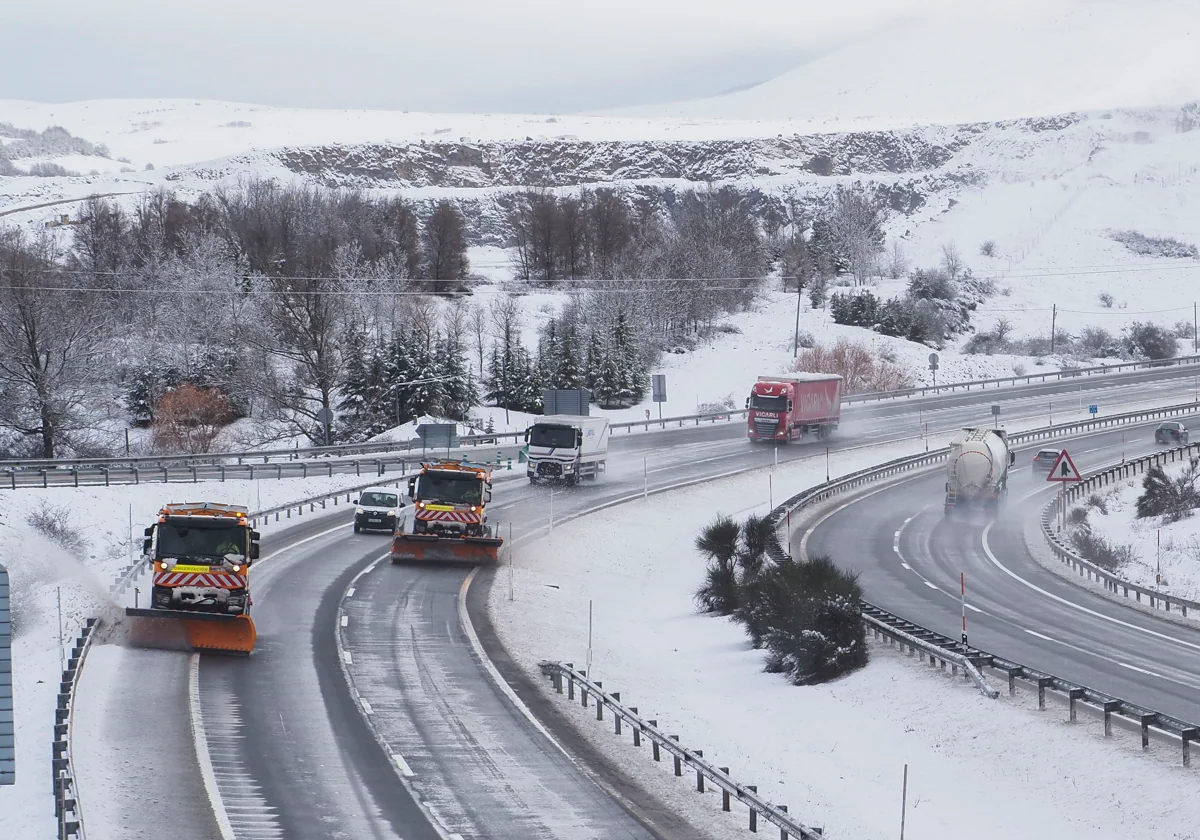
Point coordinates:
[(793, 407)]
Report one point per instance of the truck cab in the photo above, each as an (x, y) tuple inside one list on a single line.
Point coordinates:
[(566, 448)]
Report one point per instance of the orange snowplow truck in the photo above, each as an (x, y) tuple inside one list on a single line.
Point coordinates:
[(449, 515), (200, 555)]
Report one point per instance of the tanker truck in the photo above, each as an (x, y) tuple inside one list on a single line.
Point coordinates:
[(977, 470)]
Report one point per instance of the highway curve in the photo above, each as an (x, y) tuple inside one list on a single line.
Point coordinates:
[(295, 757), (910, 557)]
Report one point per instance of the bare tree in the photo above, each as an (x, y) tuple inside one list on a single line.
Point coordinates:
[(897, 261), (444, 245), (189, 419), (952, 262), (51, 338), (856, 224), (1004, 328), (479, 330)]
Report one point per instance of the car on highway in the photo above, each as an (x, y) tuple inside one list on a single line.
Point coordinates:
[(1044, 459), (377, 510), (1171, 431)]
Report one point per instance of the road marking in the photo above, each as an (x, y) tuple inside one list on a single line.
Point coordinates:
[(931, 585), (200, 742), (1039, 635), (905, 565), (405, 770), (987, 550), (350, 592), (347, 658), (366, 707), (345, 620)]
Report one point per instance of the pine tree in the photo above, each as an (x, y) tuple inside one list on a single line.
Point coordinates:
[(595, 358), (569, 374), (527, 384), (609, 383), (425, 392), (364, 404), (549, 352), (459, 387), (496, 384)]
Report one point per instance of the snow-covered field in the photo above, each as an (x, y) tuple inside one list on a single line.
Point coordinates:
[(81, 570), (834, 753), (1116, 520)]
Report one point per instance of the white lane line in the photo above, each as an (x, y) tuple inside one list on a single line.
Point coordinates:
[(366, 706), (1039, 635), (405, 770), (905, 565), (974, 608), (350, 592), (200, 742), (347, 658), (987, 550), (931, 585)]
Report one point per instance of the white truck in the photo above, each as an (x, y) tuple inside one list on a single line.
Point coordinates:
[(565, 447), (977, 470)]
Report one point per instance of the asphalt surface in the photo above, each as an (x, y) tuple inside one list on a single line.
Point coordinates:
[(910, 557), (294, 754)]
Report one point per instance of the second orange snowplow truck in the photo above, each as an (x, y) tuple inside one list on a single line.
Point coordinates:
[(449, 515), (200, 555)]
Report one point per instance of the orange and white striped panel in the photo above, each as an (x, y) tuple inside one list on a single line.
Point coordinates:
[(464, 516), (220, 580)]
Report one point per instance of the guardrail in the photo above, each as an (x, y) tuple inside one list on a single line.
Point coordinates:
[(706, 771), (1093, 572), (268, 456), (1066, 373), (941, 648), (67, 812)]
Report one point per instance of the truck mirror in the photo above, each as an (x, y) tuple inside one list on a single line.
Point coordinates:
[(487, 496), (527, 436), (1012, 458), (789, 405), (149, 532), (254, 551), (747, 402), (146, 545), (254, 535), (578, 437), (412, 487)]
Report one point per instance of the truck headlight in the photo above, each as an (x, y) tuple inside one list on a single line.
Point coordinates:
[(359, 511), (391, 512)]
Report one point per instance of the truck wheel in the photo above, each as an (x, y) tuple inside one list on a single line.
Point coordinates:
[(357, 528)]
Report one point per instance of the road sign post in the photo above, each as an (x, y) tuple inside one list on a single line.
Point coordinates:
[(1063, 471), (658, 390), (933, 367)]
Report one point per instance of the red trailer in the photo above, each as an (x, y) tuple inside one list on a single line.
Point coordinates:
[(793, 407)]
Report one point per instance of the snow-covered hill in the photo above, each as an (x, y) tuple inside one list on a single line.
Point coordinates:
[(984, 61)]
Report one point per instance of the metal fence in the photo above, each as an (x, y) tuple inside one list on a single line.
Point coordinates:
[(706, 773), (1091, 571), (155, 464), (8, 753), (937, 648)]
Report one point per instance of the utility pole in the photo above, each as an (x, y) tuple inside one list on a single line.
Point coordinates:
[(1053, 321), (1195, 327), (799, 299)]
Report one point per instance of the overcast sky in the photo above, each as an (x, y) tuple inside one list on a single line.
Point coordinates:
[(433, 55)]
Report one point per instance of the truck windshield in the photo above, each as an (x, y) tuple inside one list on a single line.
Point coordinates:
[(189, 539), (452, 489), (557, 437), (761, 402)]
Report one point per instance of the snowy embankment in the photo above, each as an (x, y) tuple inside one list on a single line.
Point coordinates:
[(1113, 516), (93, 540), (834, 753)]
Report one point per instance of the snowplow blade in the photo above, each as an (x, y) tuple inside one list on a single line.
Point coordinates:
[(429, 548), (233, 635)]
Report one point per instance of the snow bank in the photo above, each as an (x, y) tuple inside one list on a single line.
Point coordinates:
[(833, 753)]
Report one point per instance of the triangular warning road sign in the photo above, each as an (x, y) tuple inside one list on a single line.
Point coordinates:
[(1064, 469)]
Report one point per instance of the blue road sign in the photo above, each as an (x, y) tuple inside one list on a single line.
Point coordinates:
[(1094, 409)]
